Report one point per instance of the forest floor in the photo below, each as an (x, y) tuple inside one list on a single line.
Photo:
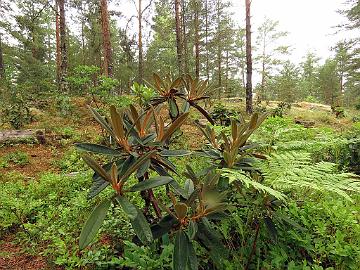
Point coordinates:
[(61, 132)]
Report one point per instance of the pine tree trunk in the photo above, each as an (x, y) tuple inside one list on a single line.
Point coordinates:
[(249, 108), (219, 50), (184, 38), (178, 36), (262, 94), (227, 73), (2, 66), (82, 34), (141, 58), (63, 47), (197, 42), (57, 36), (206, 38), (108, 68)]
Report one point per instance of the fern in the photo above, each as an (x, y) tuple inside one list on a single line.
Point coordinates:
[(289, 170), (238, 175)]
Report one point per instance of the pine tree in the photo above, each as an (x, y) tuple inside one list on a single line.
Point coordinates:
[(267, 41)]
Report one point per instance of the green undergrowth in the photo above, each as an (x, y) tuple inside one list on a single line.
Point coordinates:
[(317, 230)]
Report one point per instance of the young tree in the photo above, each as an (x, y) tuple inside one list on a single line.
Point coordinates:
[(249, 107), (328, 82), (309, 76), (284, 86)]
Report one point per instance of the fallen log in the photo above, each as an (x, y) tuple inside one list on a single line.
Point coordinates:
[(305, 123), (19, 135)]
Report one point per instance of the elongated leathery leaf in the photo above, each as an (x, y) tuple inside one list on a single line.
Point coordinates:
[(137, 219), (102, 121), (174, 126), (180, 254), (93, 223), (192, 262), (96, 167), (175, 153), (136, 165), (151, 183), (97, 149), (128, 207), (96, 187)]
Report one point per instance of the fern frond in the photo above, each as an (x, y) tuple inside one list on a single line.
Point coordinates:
[(291, 170), (237, 175)]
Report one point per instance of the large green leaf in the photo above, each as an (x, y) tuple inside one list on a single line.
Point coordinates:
[(192, 262), (93, 223), (102, 121), (96, 167), (178, 189), (174, 110), (97, 149), (137, 219), (128, 207), (174, 126), (211, 239), (180, 254), (143, 168), (151, 183), (96, 187), (164, 226), (142, 228), (175, 153), (136, 165)]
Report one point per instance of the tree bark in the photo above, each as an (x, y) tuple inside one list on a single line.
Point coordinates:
[(108, 68), (206, 38), (178, 36), (2, 66), (219, 50), (63, 47), (141, 58), (58, 50), (249, 108), (184, 38), (262, 94), (197, 42)]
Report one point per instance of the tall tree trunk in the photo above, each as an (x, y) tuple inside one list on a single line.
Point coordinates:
[(63, 47), (197, 42), (184, 38), (141, 60), (82, 33), (2, 66), (178, 36), (262, 94), (58, 50), (249, 108), (206, 38), (219, 50), (227, 73), (108, 68)]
